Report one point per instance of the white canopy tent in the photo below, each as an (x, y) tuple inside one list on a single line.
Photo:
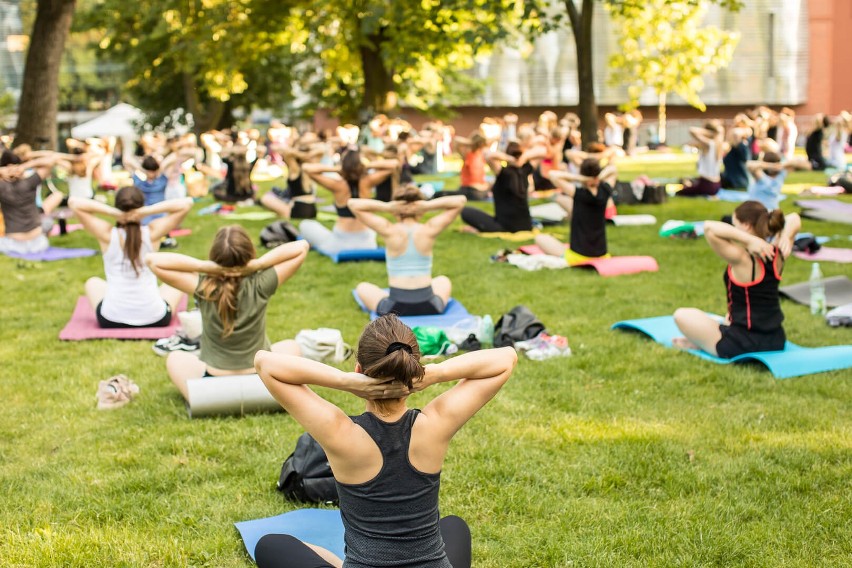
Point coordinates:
[(118, 121)]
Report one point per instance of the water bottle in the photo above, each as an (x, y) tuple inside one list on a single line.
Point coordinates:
[(487, 331), (818, 306)]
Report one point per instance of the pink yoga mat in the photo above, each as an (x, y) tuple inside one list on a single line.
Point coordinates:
[(614, 266), (84, 325), (54, 230), (180, 232), (828, 254), (618, 265)]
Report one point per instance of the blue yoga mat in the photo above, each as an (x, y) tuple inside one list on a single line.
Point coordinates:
[(320, 527), (735, 196), (793, 361), (355, 254), (454, 313)]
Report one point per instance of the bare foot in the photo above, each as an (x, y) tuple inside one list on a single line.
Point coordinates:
[(468, 229), (683, 343)]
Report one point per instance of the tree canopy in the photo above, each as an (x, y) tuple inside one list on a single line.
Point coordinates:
[(664, 46), (350, 57)]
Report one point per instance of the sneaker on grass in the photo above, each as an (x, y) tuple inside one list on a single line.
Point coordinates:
[(177, 342)]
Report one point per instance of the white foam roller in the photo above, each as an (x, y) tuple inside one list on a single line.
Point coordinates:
[(238, 394)]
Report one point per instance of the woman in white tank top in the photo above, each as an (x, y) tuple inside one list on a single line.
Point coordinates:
[(708, 140), (129, 296)]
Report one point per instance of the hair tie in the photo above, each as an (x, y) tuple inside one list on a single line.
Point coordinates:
[(396, 346)]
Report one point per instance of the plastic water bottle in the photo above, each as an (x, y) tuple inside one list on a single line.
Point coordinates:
[(818, 306), (487, 330)]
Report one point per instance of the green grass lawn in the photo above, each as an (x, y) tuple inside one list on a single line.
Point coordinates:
[(625, 454)]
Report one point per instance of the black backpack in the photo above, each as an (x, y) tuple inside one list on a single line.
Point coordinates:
[(306, 476), (278, 233), (519, 324), (654, 194)]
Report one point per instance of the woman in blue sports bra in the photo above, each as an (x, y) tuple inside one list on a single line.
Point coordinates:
[(409, 244), (354, 179)]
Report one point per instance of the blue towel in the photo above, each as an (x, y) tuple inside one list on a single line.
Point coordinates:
[(793, 361), (320, 527), (735, 196), (355, 254), (453, 313)]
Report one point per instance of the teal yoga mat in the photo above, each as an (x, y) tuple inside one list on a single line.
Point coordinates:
[(321, 527), (793, 361)]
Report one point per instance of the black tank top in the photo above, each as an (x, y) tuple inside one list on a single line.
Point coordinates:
[(296, 186), (755, 305), (392, 520), (353, 192)]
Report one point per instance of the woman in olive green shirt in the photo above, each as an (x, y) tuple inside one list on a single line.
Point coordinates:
[(232, 290)]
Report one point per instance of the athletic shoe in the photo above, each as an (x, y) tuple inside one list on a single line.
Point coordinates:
[(177, 342), (168, 243)]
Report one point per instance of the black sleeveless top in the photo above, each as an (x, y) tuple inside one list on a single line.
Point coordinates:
[(353, 192), (755, 305), (296, 186), (392, 520)]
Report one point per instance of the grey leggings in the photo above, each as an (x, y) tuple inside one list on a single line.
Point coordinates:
[(285, 551)]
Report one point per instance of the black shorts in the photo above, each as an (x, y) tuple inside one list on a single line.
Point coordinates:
[(418, 302), (737, 340), (107, 324)]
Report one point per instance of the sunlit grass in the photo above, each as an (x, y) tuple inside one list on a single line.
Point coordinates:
[(625, 454)]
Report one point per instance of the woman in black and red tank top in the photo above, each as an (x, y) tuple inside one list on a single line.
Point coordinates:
[(753, 321)]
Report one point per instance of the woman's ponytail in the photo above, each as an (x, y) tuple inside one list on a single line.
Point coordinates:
[(232, 247), (388, 350), (763, 223), (775, 223), (128, 199)]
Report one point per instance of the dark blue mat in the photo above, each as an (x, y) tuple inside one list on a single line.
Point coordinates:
[(793, 361), (321, 527), (355, 254)]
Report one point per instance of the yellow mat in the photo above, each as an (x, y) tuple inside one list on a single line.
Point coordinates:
[(519, 236), (796, 188)]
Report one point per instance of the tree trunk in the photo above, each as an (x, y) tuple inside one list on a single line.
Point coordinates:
[(39, 101), (661, 134), (581, 25), (206, 115), (378, 82)]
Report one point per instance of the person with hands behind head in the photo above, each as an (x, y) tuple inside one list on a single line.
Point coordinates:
[(753, 321), (25, 230), (768, 176), (586, 204), (129, 296), (387, 461), (510, 190), (354, 179), (232, 291), (409, 244)]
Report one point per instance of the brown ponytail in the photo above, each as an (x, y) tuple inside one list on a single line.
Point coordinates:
[(763, 223), (232, 247), (128, 199), (388, 350)]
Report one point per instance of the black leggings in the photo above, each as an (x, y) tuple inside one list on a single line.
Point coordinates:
[(481, 221), (285, 551)]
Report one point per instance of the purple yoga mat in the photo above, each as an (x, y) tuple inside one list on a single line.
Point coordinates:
[(828, 254), (55, 253), (825, 204), (84, 325)]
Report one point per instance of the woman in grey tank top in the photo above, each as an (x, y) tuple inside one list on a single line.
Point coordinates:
[(386, 462)]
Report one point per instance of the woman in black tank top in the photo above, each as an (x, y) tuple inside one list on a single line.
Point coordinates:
[(387, 462), (753, 321)]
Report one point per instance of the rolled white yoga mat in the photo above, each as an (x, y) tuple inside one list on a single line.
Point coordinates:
[(238, 394)]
